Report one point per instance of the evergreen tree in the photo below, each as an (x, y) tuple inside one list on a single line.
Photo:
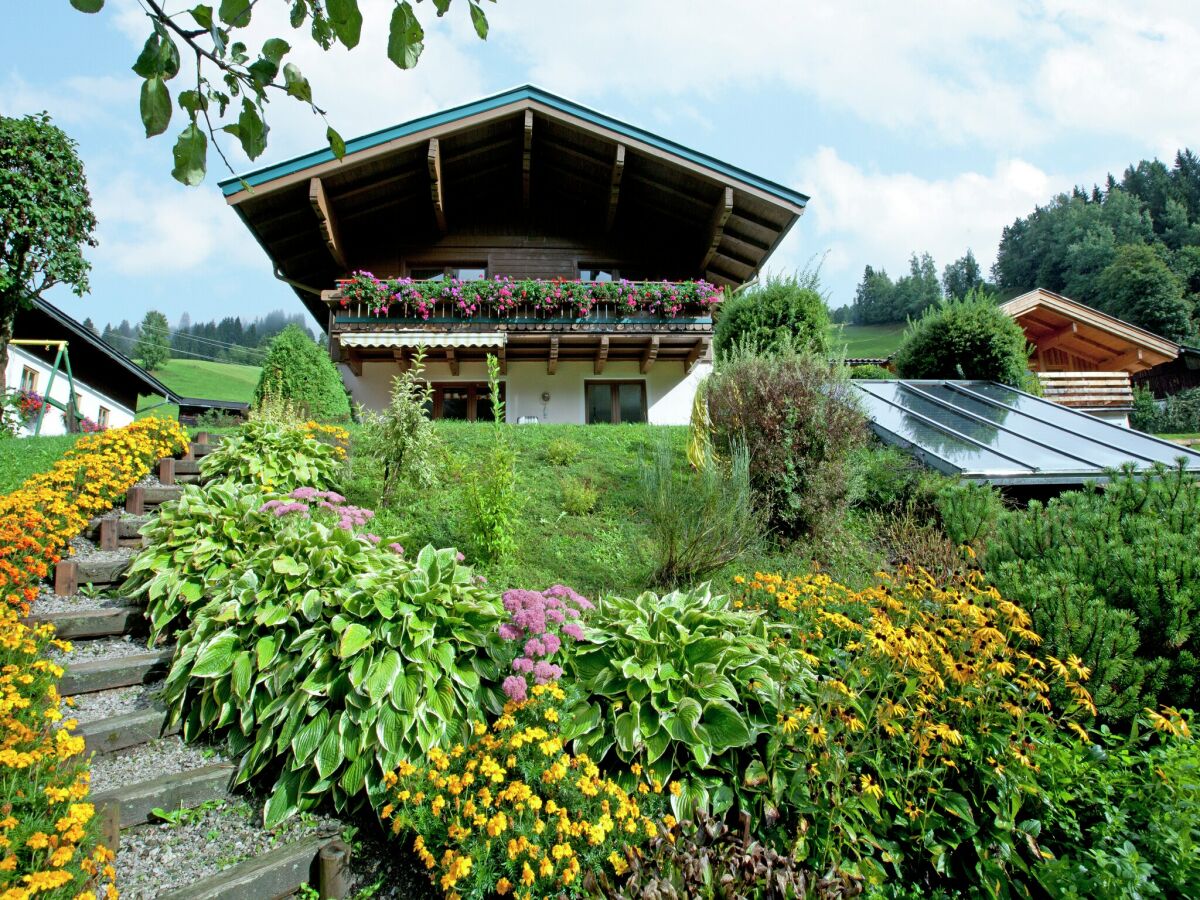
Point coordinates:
[(1140, 288), (153, 346), (91, 326), (962, 276)]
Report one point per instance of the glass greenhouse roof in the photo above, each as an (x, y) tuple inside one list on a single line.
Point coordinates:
[(986, 431)]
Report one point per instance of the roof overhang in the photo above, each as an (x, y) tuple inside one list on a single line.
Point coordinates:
[(1052, 321), (382, 340), (523, 162)]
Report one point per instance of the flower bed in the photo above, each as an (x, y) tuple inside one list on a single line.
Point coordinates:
[(503, 297), (47, 842)]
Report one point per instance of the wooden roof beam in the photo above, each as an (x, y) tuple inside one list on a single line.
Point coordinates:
[(434, 159), (601, 356), (526, 158), (614, 189), (502, 359), (452, 359), (326, 221), (649, 354), (716, 226), (697, 353), (1131, 357), (354, 362), (1057, 337), (552, 359)]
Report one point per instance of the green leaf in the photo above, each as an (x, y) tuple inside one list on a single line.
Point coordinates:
[(479, 20), (442, 7), (252, 132), (724, 726), (625, 728), (193, 102), (235, 12), (346, 20), (265, 650), (284, 565), (191, 152), (308, 738), (390, 729), (383, 675), (156, 106), (956, 805), (682, 721), (216, 656), (282, 802), (275, 49), (329, 757), (354, 638), (88, 6), (405, 37), (755, 774), (336, 144), (202, 15), (296, 84), (243, 673)]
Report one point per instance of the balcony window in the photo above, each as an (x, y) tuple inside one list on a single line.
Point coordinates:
[(463, 272), (591, 273), (615, 402)]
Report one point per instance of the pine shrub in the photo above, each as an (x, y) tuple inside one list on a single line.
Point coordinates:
[(785, 311), (968, 338), (298, 370)]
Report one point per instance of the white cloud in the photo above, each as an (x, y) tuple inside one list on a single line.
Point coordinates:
[(869, 216)]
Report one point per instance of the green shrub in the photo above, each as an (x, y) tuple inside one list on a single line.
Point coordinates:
[(798, 419), (683, 684), (1180, 413), (279, 457), (400, 443), (968, 338), (298, 370), (491, 485), (870, 370), (563, 451), (1093, 565), (880, 478), (1120, 818), (700, 520), (968, 512), (579, 496), (1145, 415), (323, 659), (783, 311)]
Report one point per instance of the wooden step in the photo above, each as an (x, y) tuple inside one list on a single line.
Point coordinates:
[(121, 671), (191, 788), (143, 497), (126, 730), (186, 467), (199, 450), (101, 569), (127, 527), (91, 623), (276, 873)]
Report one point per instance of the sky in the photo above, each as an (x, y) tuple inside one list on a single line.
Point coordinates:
[(914, 126)]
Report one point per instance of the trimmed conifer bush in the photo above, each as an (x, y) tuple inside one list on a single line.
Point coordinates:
[(298, 370), (968, 338), (785, 311)]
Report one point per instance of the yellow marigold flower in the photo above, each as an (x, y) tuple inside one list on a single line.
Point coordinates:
[(527, 876), (503, 886)]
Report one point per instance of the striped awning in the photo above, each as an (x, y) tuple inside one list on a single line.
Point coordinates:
[(398, 339)]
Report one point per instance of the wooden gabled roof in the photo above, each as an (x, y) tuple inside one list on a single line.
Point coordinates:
[(1091, 340), (522, 162)]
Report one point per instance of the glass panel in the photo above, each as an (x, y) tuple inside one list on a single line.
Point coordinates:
[(599, 403), (470, 274), (595, 275), (629, 398), (454, 403), (438, 274)]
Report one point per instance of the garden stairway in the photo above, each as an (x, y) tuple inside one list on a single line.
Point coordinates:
[(165, 805)]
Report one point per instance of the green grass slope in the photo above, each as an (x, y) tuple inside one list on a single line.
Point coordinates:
[(209, 380), (22, 457), (867, 340)]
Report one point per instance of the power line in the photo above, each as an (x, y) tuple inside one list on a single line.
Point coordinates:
[(204, 340)]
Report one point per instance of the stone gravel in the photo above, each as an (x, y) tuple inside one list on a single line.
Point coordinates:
[(100, 648), (167, 756), (116, 702), (49, 602), (157, 858)]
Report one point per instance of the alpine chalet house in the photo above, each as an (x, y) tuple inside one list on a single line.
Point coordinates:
[(587, 255)]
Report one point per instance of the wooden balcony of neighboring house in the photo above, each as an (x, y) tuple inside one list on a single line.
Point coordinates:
[(1107, 395), (608, 331)]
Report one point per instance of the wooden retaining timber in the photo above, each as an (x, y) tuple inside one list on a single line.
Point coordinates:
[(126, 730), (191, 788), (96, 570), (126, 527), (122, 671), (93, 623), (276, 873)]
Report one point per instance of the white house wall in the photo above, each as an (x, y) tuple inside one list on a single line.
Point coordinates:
[(669, 393), (88, 398)]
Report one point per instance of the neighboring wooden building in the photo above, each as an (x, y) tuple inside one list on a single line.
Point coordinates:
[(1180, 374), (107, 383), (522, 185)]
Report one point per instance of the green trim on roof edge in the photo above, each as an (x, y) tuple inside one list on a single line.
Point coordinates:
[(527, 92)]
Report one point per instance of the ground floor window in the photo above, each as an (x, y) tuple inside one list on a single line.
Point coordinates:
[(29, 378), (615, 401), (102, 417), (468, 401)]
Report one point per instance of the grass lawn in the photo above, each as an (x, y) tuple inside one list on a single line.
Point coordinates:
[(22, 457), (607, 550), (209, 380), (1192, 436), (867, 340)]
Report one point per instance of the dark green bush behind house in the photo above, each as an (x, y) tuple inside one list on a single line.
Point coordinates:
[(298, 370), (1113, 575), (968, 338), (798, 418), (1180, 414), (784, 310)]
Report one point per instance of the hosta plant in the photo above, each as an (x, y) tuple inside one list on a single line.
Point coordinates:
[(279, 457), (684, 684), (322, 656)]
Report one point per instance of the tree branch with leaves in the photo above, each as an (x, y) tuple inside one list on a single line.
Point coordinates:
[(234, 83)]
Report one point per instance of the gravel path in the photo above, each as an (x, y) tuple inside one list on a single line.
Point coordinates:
[(103, 704), (154, 859), (100, 648), (167, 756), (49, 602)]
